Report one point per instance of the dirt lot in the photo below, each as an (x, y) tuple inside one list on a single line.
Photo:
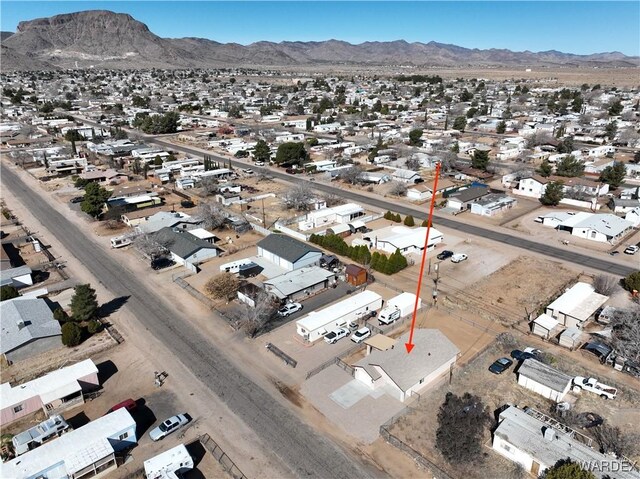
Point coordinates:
[(418, 427), (506, 295)]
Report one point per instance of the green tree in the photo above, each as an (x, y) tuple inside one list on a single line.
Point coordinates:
[(480, 160), (8, 292), (455, 147), (501, 128), (461, 425), (313, 141), (553, 193), (414, 137), (614, 175), (546, 169), (291, 153), (466, 96), (632, 281), (460, 123), (73, 135), (157, 161), (566, 145), (569, 166), (94, 199), (60, 315), (94, 326), (71, 334), (611, 129), (425, 223), (409, 221), (84, 303), (615, 107), (566, 469)]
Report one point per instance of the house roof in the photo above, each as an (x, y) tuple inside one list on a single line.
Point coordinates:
[(163, 219), (470, 194), (286, 247), (297, 280), (6, 275), (182, 244), (543, 374), (580, 301), (546, 321), (353, 270), (527, 433), (432, 349), (606, 224), (23, 320), (404, 237)]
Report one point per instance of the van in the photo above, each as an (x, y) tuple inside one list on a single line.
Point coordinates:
[(388, 316), (120, 241)]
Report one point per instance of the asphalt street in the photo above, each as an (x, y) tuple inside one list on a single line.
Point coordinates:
[(564, 254), (305, 452)]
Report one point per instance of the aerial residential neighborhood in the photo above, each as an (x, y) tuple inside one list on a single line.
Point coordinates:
[(228, 253)]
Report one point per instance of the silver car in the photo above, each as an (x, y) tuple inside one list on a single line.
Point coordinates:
[(168, 426)]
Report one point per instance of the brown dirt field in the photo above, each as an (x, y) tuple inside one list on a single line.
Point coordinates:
[(525, 282), (418, 427)]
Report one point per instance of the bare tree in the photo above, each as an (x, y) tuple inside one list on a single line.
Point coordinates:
[(209, 185), (605, 284), (149, 247), (413, 163), (262, 174), (224, 286), (254, 318), (448, 160), (333, 200), (625, 337), (213, 217), (299, 197), (612, 440), (352, 175), (398, 188)]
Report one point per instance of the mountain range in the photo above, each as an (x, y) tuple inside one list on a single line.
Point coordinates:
[(104, 39)]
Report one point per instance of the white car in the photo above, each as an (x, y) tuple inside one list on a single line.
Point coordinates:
[(289, 308), (458, 257), (633, 249), (333, 337), (259, 163), (248, 171), (360, 335), (168, 426)]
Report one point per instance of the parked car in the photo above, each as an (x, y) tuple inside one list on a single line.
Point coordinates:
[(500, 365), (168, 426), (633, 249), (521, 355), (615, 253), (333, 337), (458, 258), (259, 163), (128, 404), (288, 309), (445, 254), (161, 263), (353, 325), (187, 204), (77, 199), (248, 171), (360, 335), (600, 350)]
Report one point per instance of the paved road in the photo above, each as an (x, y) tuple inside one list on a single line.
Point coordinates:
[(305, 452), (565, 253)]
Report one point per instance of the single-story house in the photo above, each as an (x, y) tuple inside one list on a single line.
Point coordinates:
[(168, 219), (537, 442), (127, 190), (299, 283), (355, 275), (545, 326), (318, 323), (576, 305), (134, 218), (621, 206), (403, 375), (134, 202), (54, 392), (185, 248), (407, 240), (633, 217), (534, 186), (406, 176), (287, 252), (28, 328), (543, 379), (342, 214), (17, 277), (419, 192), (463, 199), (81, 453), (597, 227), (105, 176), (493, 204)]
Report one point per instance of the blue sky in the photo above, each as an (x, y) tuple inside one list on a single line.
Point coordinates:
[(574, 27)]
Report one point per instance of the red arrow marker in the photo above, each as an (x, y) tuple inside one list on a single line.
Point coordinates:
[(410, 344)]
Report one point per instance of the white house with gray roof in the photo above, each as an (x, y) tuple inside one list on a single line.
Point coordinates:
[(17, 277), (543, 379), (536, 442), (576, 305), (28, 328), (170, 219), (602, 227), (288, 253), (185, 248), (299, 283), (401, 375)]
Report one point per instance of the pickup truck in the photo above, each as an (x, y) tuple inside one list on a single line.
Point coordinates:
[(592, 385), (335, 336)]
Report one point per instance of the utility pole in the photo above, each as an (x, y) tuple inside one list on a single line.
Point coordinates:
[(264, 219)]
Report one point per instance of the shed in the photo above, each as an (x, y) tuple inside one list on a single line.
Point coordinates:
[(544, 380), (544, 325), (342, 230), (379, 342), (355, 275), (570, 338)]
